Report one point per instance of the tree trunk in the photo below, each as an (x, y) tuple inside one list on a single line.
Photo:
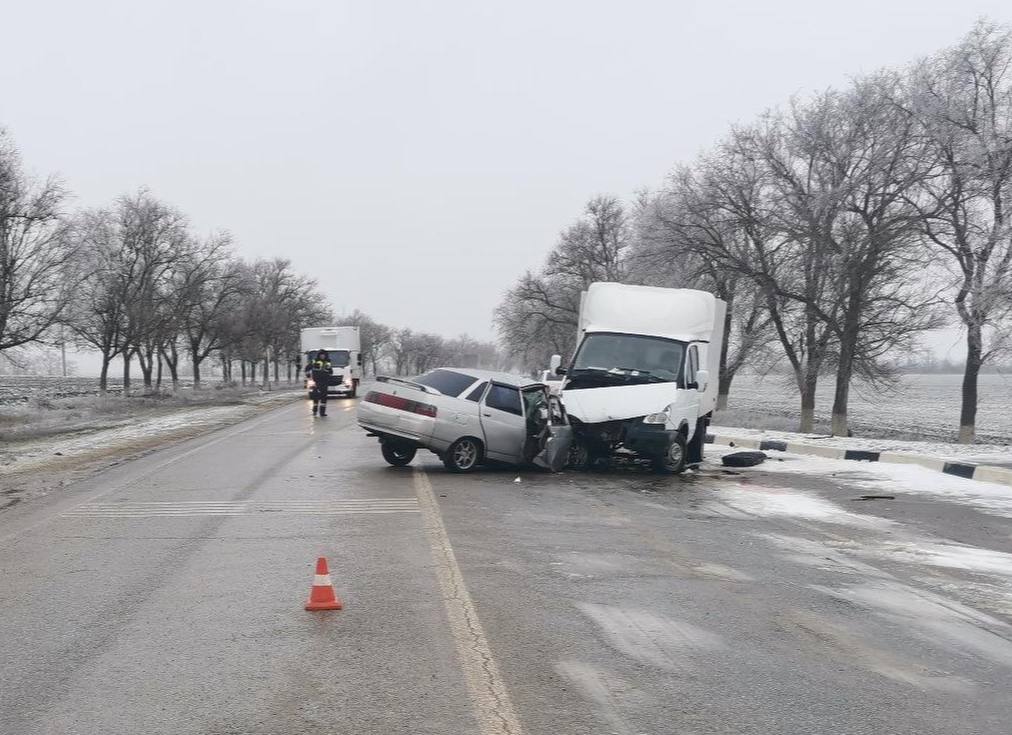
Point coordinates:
[(173, 363), (196, 371), (158, 379), (127, 359), (974, 359), (242, 371), (808, 385), (276, 378), (147, 364), (103, 377), (723, 388), (724, 380), (841, 393)]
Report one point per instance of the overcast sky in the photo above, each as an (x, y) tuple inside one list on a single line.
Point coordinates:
[(417, 157)]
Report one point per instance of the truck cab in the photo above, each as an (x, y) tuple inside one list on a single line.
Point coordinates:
[(643, 381), (343, 345)]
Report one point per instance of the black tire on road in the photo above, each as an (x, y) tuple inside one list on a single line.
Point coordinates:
[(743, 459), (354, 389), (399, 455), (673, 460), (463, 455)]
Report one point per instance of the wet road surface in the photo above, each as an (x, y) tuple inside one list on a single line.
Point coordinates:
[(165, 596)]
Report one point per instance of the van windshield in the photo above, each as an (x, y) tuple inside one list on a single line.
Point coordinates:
[(338, 358), (625, 359)]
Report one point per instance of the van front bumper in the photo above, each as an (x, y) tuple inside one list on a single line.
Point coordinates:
[(649, 440)]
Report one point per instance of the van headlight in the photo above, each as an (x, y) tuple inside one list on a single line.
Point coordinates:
[(656, 418)]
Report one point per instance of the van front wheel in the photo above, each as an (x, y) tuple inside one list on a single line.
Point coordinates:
[(673, 461)]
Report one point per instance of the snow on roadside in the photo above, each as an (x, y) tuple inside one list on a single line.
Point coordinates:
[(892, 479), (979, 453), (130, 434), (775, 502)]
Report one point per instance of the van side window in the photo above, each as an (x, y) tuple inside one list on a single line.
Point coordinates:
[(692, 365), (504, 399), (477, 393)]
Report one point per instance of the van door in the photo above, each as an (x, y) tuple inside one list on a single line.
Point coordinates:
[(503, 423)]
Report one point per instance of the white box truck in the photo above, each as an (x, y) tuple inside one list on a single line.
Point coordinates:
[(344, 346), (643, 381)]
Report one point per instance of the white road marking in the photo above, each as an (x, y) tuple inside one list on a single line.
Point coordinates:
[(192, 508), (489, 698)]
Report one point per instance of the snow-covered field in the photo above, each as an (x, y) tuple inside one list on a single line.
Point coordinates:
[(16, 389), (919, 406)]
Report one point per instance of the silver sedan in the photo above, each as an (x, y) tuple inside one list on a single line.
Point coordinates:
[(467, 417)]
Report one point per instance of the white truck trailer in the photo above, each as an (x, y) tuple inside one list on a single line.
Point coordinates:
[(344, 346), (643, 381)]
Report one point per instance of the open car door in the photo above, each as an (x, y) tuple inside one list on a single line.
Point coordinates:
[(556, 438)]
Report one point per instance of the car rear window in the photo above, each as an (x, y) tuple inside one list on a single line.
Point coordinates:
[(446, 382)]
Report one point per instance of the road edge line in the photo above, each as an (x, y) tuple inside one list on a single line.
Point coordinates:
[(490, 700)]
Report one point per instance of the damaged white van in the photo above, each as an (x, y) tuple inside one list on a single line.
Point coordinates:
[(643, 381)]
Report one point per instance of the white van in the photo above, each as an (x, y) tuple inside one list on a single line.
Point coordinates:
[(344, 346), (643, 381)]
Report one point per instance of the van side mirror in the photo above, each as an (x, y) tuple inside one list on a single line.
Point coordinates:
[(553, 363), (702, 380)]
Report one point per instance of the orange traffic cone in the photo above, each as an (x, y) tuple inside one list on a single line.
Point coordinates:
[(321, 596)]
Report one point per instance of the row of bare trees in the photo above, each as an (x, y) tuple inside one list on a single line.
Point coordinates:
[(838, 229), (133, 282), (407, 352)]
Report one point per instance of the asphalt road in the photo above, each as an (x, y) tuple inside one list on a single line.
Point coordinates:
[(166, 596)]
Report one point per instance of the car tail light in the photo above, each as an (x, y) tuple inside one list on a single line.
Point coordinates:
[(400, 403)]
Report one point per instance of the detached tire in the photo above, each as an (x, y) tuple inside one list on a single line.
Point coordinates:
[(463, 455), (743, 459), (398, 455), (673, 462)]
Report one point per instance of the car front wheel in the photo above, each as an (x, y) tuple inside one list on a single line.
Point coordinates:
[(463, 455), (398, 455)]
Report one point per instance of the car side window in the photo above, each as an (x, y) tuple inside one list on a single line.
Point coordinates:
[(477, 393), (504, 399)]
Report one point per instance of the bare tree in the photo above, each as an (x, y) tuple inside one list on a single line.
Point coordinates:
[(374, 336), (208, 285), (35, 252), (538, 316), (97, 317), (962, 99)]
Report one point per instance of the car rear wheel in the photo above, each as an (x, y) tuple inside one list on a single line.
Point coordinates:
[(673, 460), (399, 455), (463, 455)]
